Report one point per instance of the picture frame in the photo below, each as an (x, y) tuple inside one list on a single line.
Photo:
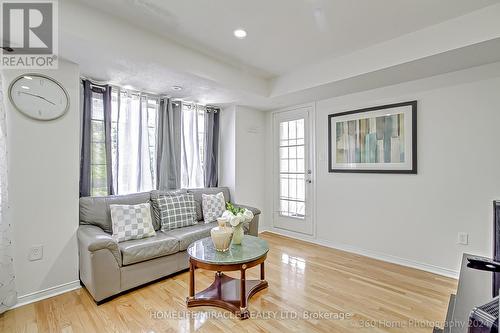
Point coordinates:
[(380, 139)]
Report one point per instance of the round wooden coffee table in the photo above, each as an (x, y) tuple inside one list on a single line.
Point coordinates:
[(227, 292)]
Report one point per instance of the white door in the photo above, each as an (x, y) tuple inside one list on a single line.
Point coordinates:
[(293, 170)]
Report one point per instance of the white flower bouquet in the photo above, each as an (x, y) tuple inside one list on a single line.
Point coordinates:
[(237, 216)]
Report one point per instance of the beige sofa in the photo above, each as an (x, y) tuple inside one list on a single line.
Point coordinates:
[(108, 268)]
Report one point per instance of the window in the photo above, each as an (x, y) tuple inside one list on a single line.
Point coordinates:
[(133, 144), (114, 133), (193, 143), (201, 134), (152, 107), (98, 171), (134, 125), (292, 165)]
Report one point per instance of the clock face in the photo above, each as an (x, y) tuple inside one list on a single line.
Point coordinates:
[(39, 97)]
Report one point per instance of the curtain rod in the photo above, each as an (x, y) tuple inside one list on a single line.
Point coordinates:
[(107, 83), (99, 84)]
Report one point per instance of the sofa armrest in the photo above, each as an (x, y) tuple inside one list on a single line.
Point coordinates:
[(252, 228), (93, 238), (254, 210)]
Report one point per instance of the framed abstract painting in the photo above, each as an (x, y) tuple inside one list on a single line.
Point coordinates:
[(381, 139)]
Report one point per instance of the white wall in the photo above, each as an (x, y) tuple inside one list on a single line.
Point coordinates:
[(250, 164), (268, 173), (415, 219), (242, 166), (43, 188), (227, 148)]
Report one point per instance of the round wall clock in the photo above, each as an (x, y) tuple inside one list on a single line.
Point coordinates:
[(39, 97)]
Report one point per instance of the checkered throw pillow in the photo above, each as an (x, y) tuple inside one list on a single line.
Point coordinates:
[(156, 194), (213, 206), (177, 211), (131, 222)]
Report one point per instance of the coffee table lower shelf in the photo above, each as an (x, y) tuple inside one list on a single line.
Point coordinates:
[(225, 292)]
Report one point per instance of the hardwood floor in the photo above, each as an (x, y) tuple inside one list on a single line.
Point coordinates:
[(346, 293)]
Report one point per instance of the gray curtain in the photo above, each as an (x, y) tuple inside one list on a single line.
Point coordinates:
[(86, 132), (211, 149), (85, 177), (168, 146)]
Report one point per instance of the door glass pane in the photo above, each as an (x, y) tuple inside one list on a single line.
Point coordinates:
[(300, 165), (292, 169), (284, 165), (292, 181), (284, 205), (300, 129), (301, 208), (301, 188), (283, 131), (284, 187), (292, 129), (284, 152), (300, 152)]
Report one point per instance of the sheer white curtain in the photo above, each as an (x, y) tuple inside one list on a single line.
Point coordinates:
[(8, 295), (134, 162), (192, 137)]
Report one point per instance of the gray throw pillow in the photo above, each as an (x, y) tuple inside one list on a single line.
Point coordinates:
[(131, 222), (213, 206), (155, 195), (177, 211)]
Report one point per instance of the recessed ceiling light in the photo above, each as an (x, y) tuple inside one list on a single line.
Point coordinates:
[(240, 33), (177, 88)]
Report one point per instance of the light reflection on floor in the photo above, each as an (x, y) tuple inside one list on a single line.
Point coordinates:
[(295, 262), (198, 322)]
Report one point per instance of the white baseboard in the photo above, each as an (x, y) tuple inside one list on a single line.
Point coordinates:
[(46, 293), (367, 253)]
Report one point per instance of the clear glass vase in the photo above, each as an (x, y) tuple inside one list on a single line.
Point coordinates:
[(238, 234)]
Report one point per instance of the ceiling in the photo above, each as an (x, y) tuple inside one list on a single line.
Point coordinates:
[(296, 51), (284, 34)]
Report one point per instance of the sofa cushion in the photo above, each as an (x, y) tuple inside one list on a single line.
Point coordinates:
[(155, 195), (208, 190), (188, 235), (95, 210), (138, 250)]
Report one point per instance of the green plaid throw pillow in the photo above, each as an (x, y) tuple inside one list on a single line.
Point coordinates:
[(177, 211)]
